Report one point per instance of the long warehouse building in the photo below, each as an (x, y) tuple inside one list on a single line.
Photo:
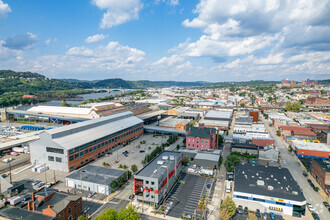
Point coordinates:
[(70, 147)]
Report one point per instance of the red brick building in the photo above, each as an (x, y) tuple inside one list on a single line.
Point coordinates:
[(296, 131), (320, 170), (59, 205), (255, 116), (317, 101), (201, 138), (263, 142)]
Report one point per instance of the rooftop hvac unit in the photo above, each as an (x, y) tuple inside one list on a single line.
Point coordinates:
[(260, 183), (165, 157), (294, 192), (270, 188), (155, 171), (160, 162), (171, 157)]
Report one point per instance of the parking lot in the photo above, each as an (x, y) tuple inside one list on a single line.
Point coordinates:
[(265, 216), (185, 195), (27, 176)]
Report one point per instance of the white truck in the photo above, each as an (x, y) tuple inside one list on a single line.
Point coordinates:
[(15, 200), (228, 186)]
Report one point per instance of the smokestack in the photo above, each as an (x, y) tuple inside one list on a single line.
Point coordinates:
[(33, 206), (29, 206), (33, 197)]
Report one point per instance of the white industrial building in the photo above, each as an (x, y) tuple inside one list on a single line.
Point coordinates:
[(269, 189)]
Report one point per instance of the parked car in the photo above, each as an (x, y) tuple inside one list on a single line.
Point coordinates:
[(106, 155), (309, 181), (315, 188), (258, 213), (305, 174), (142, 151), (315, 216), (3, 175), (283, 161), (91, 194), (40, 184), (310, 207), (35, 182), (246, 210), (326, 205), (272, 215), (240, 209)]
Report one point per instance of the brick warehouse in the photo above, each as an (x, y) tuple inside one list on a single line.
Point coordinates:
[(202, 138), (72, 146), (321, 172)]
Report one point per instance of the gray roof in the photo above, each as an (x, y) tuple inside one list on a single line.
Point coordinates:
[(150, 114), (218, 115), (282, 183), (148, 170), (75, 135), (207, 156), (187, 114), (17, 213), (95, 174), (323, 165), (201, 132), (58, 201)]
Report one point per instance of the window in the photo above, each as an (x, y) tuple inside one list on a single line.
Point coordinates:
[(71, 158), (152, 196), (280, 203), (54, 150), (86, 161), (95, 147), (260, 200), (197, 141), (152, 183), (205, 141), (70, 210), (76, 156), (50, 158), (71, 168), (90, 149), (81, 153), (147, 182), (193, 140), (86, 151), (58, 159)]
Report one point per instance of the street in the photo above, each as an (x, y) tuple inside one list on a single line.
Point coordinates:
[(297, 172)]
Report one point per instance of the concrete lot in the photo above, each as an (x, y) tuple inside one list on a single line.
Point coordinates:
[(20, 159)]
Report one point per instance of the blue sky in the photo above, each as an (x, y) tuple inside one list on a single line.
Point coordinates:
[(187, 40)]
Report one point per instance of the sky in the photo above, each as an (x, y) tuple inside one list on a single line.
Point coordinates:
[(182, 40)]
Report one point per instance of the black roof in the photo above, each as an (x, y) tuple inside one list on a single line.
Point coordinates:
[(267, 181), (323, 165), (17, 213), (201, 132)]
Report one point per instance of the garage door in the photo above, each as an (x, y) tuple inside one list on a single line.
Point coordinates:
[(101, 189), (70, 183)]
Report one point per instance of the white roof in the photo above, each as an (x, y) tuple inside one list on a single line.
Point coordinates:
[(218, 114), (75, 135), (311, 146), (60, 110)]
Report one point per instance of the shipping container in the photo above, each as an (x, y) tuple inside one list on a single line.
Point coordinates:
[(15, 200)]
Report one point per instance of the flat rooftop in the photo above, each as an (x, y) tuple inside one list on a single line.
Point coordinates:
[(59, 110), (267, 181), (324, 164), (75, 135), (207, 156), (218, 115), (311, 146), (148, 170), (95, 174)]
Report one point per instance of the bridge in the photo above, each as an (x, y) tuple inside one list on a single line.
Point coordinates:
[(114, 90)]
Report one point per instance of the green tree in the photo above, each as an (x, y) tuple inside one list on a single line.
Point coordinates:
[(82, 218), (278, 133), (292, 107), (134, 168), (114, 184), (65, 104), (242, 104), (231, 161), (229, 205), (220, 139), (128, 213), (185, 161), (252, 216), (121, 180)]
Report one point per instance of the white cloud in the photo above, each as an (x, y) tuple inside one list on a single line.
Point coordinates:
[(4, 9), (95, 38), (50, 40), (118, 12), (174, 2)]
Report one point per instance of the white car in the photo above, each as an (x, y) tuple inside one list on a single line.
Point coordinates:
[(283, 161), (310, 207)]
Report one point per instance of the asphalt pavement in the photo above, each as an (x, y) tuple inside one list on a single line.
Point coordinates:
[(297, 172)]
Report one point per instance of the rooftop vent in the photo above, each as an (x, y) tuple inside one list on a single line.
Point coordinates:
[(257, 174), (295, 193), (252, 176), (245, 176), (271, 176), (160, 162), (171, 157), (279, 182), (155, 171), (260, 183), (242, 172), (275, 179), (165, 157), (270, 188)]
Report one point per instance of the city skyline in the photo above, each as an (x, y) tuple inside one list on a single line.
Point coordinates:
[(177, 40)]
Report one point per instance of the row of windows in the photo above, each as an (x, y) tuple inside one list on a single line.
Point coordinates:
[(261, 200), (105, 139), (58, 159), (152, 182), (193, 140), (196, 146)]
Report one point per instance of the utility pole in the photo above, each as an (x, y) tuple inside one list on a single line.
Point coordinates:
[(164, 203), (54, 178), (10, 172), (45, 174)]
